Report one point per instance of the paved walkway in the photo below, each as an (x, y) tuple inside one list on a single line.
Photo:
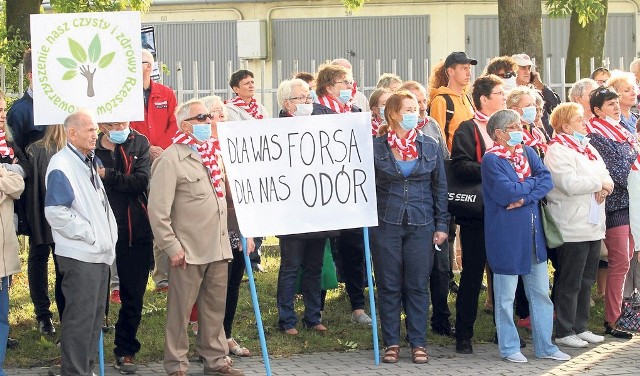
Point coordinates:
[(614, 357)]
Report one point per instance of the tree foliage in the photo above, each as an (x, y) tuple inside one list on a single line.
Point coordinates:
[(585, 10), (79, 6), (352, 5)]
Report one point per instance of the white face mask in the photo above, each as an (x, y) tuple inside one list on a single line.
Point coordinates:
[(611, 120), (303, 109), (509, 83)]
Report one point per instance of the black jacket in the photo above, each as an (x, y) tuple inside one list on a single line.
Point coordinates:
[(464, 159), (319, 109), (126, 180), (34, 193)]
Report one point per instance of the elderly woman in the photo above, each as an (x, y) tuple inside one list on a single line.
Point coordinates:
[(11, 186), (618, 148), (580, 184), (243, 106), (389, 81), (579, 93), (334, 85), (411, 188), (377, 101), (523, 101), (514, 180), (299, 250), (624, 84), (470, 142)]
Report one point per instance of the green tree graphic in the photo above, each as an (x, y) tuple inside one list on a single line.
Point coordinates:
[(83, 61)]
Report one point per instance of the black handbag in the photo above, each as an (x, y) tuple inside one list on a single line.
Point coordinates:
[(464, 197)]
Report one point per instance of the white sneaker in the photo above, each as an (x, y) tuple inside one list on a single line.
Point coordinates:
[(572, 341), (558, 355), (516, 358), (590, 337)]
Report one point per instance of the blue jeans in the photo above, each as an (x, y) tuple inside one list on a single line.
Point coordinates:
[(536, 286), (296, 253), (4, 321), (403, 259)]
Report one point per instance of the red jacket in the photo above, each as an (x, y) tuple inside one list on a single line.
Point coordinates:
[(159, 123)]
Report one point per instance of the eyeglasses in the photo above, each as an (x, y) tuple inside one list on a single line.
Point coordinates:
[(507, 74), (497, 93), (146, 62), (302, 98), (200, 117), (346, 82), (513, 127)]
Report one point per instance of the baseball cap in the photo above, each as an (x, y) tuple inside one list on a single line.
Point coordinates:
[(522, 60), (459, 58)]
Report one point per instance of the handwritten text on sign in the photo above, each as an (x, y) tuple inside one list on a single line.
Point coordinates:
[(300, 174)]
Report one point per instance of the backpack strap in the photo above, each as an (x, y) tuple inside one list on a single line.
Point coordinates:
[(449, 116)]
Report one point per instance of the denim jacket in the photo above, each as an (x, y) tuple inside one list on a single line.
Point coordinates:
[(421, 197)]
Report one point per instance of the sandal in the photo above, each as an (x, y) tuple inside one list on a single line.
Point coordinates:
[(419, 355), (391, 354), (236, 349)]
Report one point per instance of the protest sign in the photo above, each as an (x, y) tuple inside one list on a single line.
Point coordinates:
[(86, 60), (300, 174)]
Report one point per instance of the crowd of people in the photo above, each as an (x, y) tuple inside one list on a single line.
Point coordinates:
[(116, 201)]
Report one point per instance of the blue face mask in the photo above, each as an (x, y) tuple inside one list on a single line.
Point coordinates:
[(529, 114), (581, 138), (119, 137), (314, 96), (381, 112), (409, 121), (345, 95), (515, 138), (202, 132)]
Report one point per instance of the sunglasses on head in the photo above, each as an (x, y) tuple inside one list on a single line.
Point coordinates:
[(200, 117)]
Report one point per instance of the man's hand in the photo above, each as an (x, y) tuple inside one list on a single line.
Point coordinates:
[(516, 204), (155, 152), (179, 260)]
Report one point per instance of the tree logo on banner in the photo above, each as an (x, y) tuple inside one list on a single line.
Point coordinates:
[(91, 57)]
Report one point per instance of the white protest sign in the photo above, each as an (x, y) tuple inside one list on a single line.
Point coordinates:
[(87, 60), (300, 174)]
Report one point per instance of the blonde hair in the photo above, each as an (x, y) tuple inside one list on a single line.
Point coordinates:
[(563, 113), (375, 96), (516, 95), (392, 108), (55, 138)]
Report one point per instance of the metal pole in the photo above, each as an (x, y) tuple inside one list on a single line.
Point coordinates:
[(195, 79), (179, 83)]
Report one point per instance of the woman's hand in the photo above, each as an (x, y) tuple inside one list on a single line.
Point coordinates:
[(439, 237), (607, 187), (516, 204), (600, 196), (251, 246)]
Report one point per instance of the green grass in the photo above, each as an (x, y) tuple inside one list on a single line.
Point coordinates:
[(38, 350)]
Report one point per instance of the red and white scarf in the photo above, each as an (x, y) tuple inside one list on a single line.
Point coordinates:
[(616, 133), (517, 159), (406, 147), (375, 125), (534, 139), (5, 149), (251, 108), (209, 152), (481, 120), (332, 103), (572, 143)]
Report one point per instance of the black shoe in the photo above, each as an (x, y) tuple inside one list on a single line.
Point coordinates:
[(46, 327), (523, 344), (617, 332), (447, 331), (12, 343), (463, 346), (453, 287)]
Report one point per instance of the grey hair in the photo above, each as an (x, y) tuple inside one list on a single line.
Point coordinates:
[(146, 53), (211, 100), (182, 111), (635, 66), (501, 120), (286, 87), (386, 79), (72, 119), (578, 89)]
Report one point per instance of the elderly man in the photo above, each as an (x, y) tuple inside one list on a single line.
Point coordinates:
[(188, 215), (159, 126), (579, 93), (125, 174), (85, 234)]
